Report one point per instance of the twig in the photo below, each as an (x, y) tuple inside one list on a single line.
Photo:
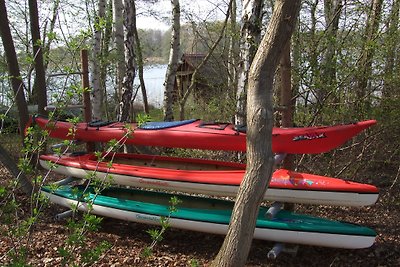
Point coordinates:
[(395, 179)]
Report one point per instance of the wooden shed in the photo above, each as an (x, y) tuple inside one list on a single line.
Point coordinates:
[(211, 79)]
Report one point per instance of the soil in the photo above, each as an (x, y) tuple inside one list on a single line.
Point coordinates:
[(186, 248)]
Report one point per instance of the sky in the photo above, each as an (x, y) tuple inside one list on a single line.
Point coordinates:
[(197, 10)]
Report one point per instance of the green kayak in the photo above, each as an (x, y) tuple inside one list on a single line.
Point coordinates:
[(211, 216)]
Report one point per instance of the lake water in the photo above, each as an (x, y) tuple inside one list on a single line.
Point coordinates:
[(154, 77)]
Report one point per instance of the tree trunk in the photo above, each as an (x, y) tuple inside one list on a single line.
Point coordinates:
[(46, 49), (139, 61), (390, 74), (97, 91), (39, 86), (286, 98), (249, 40), (288, 103), (233, 58), (368, 51), (17, 85), (314, 65), (236, 246), (332, 10), (170, 75), (105, 53), (118, 10), (129, 42)]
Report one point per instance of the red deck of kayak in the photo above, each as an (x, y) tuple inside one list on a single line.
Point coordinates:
[(284, 140), (282, 179)]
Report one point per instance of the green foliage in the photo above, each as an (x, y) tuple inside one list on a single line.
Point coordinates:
[(142, 118), (157, 234), (194, 263)]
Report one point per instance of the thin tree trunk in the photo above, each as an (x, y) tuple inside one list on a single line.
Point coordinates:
[(139, 61), (39, 86), (390, 74), (46, 49), (105, 52), (97, 91), (286, 98), (288, 103), (233, 58), (118, 10), (314, 65), (236, 246), (328, 78), (249, 40), (129, 42), (296, 65), (368, 52), (170, 75)]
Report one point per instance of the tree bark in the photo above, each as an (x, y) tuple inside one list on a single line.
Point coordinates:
[(170, 75), (236, 246), (39, 86), (130, 66), (97, 91), (249, 40)]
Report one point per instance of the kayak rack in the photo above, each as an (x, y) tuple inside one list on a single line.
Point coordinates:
[(61, 145), (280, 247), (271, 213), (273, 210), (278, 158), (63, 215), (66, 181)]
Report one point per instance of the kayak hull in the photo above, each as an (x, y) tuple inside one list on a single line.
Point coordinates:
[(286, 227), (210, 177), (197, 134)]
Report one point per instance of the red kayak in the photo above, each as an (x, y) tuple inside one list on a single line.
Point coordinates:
[(210, 177), (198, 134)]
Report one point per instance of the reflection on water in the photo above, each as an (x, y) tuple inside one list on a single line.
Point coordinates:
[(154, 76)]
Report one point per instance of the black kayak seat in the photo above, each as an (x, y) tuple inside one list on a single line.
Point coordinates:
[(99, 123), (242, 128)]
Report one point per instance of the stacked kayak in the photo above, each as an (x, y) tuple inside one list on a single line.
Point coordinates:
[(198, 134), (209, 177), (211, 216)]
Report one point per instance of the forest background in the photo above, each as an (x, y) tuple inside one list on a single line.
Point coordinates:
[(344, 62)]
